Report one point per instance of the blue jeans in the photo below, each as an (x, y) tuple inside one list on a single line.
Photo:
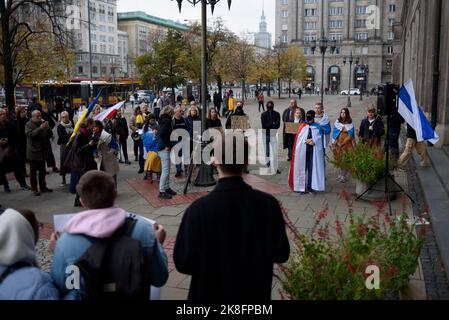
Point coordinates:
[(164, 183)]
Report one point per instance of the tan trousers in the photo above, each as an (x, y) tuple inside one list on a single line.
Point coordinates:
[(421, 148)]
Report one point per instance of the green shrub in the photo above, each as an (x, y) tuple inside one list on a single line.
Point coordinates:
[(332, 267), (365, 163)]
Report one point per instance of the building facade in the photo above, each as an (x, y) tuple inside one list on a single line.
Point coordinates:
[(142, 29), (263, 37), (103, 39), (363, 27), (123, 50), (424, 58)]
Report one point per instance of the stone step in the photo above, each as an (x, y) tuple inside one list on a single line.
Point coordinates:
[(437, 198), (440, 162)]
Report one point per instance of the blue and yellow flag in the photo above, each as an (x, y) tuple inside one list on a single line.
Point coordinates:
[(83, 117)]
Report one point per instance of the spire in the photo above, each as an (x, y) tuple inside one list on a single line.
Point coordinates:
[(263, 10)]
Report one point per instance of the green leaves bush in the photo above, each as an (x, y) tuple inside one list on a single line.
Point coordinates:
[(364, 162), (332, 267)]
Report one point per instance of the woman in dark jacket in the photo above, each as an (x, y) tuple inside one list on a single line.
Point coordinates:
[(213, 120), (65, 130), (80, 158), (192, 117)]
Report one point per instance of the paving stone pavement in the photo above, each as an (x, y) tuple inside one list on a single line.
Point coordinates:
[(300, 208)]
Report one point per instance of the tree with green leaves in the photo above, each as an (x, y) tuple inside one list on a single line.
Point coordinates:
[(240, 61), (23, 23), (293, 66), (165, 65)]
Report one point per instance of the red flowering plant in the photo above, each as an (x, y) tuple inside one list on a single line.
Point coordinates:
[(336, 260)]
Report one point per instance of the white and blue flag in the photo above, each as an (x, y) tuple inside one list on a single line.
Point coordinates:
[(414, 116)]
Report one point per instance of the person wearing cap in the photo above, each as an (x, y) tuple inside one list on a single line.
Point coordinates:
[(20, 277)]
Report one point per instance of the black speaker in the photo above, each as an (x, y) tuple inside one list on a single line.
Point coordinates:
[(387, 95)]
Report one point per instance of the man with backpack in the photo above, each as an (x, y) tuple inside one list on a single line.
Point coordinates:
[(105, 254)]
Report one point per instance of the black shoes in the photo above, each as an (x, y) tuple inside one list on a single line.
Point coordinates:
[(140, 171), (165, 195), (171, 192), (127, 162), (178, 174), (46, 190)]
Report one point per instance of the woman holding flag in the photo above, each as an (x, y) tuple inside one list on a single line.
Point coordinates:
[(343, 138)]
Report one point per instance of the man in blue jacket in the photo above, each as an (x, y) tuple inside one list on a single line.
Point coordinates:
[(101, 220)]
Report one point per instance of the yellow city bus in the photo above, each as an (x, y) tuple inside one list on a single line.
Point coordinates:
[(79, 92)]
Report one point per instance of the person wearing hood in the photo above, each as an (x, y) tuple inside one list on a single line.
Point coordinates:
[(164, 146), (271, 122), (106, 155), (237, 112), (101, 220), (20, 277), (307, 169), (80, 158)]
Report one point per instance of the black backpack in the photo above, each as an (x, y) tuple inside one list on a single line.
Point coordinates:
[(114, 268)]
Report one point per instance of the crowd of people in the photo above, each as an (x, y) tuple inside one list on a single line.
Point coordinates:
[(92, 162)]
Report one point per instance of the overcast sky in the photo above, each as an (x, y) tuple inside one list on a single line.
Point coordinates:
[(243, 17)]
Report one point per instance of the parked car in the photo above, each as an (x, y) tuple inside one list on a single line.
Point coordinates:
[(353, 92), (144, 96)]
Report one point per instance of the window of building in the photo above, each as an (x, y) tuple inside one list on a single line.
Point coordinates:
[(285, 13), (310, 25), (337, 50), (310, 12), (111, 39), (285, 2), (284, 38), (361, 36), (102, 28), (95, 69), (310, 1), (336, 24), (284, 27), (80, 69), (306, 51), (391, 22), (390, 50), (336, 11), (360, 23), (309, 37), (392, 8), (102, 38), (364, 50), (336, 36), (360, 9), (390, 35)]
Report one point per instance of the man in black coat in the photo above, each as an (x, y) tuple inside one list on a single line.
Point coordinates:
[(121, 129), (229, 240), (218, 100), (271, 121), (372, 128)]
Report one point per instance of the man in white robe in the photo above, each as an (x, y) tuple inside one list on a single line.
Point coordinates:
[(307, 171)]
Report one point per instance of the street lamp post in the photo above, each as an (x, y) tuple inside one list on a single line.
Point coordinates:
[(324, 45), (90, 49), (205, 176), (351, 61)]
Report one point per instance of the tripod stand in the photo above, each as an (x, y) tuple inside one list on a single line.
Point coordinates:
[(387, 176)]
